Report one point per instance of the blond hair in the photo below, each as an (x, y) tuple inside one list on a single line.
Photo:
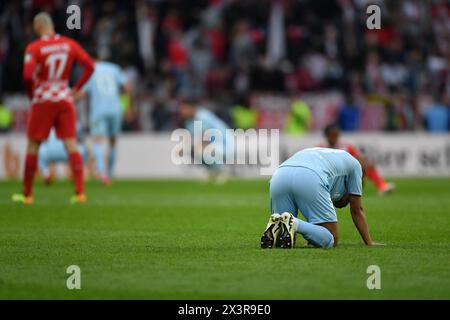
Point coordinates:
[(43, 20)]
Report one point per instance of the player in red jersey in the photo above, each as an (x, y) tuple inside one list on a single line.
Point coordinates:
[(47, 66), (332, 133)]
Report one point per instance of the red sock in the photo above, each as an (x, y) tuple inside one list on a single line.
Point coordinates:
[(29, 173), (375, 177), (76, 164)]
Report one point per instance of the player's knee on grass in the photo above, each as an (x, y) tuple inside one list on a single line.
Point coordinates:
[(335, 241), (317, 235), (326, 241), (332, 228)]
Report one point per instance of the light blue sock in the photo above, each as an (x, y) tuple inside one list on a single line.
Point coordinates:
[(43, 167), (99, 158), (316, 235), (111, 161)]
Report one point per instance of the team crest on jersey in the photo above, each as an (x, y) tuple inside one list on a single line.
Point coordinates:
[(27, 57)]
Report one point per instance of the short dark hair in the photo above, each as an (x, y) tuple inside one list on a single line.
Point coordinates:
[(330, 127)]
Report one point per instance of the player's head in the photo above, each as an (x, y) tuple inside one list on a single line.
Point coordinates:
[(43, 24), (187, 108), (332, 133)]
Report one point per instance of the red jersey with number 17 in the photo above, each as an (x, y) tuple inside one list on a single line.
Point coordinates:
[(47, 66)]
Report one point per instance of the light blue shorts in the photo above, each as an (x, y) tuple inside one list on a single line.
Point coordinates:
[(108, 125), (294, 189), (54, 151)]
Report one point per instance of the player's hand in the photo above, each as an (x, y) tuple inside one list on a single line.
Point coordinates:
[(77, 94)]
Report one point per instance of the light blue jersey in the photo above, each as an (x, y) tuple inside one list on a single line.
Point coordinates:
[(104, 88), (338, 169), (209, 121), (311, 180)]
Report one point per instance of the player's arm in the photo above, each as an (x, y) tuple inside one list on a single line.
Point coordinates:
[(83, 58), (29, 65), (355, 191), (83, 92), (359, 219)]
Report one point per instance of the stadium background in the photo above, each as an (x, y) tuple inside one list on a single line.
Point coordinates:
[(253, 64)]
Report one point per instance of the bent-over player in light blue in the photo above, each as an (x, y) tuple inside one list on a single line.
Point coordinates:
[(105, 116), (313, 182), (52, 151), (224, 147)]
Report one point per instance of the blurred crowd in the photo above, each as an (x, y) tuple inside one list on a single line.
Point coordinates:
[(224, 51)]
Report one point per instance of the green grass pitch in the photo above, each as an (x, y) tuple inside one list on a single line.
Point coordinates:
[(193, 240)]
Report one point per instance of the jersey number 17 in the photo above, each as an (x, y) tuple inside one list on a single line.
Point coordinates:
[(56, 63)]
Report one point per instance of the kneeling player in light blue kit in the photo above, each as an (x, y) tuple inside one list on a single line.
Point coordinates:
[(105, 116), (52, 151), (190, 114), (313, 182)]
